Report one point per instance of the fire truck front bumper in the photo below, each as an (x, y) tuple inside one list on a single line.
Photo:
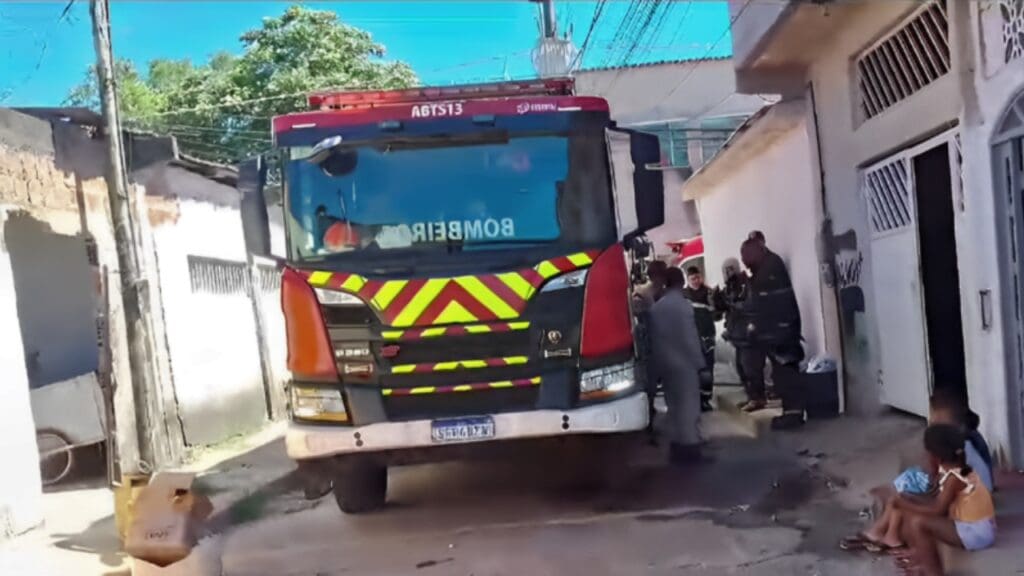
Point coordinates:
[(309, 442)]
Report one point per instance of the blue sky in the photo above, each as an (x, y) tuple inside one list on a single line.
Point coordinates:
[(42, 56)]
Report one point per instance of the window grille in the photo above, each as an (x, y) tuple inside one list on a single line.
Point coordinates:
[(887, 191), (1012, 12), (216, 276), (909, 59)]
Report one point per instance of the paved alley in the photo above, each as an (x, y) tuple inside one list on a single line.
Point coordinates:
[(765, 506)]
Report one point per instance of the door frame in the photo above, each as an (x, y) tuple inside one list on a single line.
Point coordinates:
[(950, 138), (1009, 146)]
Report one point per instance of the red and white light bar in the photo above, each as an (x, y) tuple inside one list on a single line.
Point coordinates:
[(376, 98)]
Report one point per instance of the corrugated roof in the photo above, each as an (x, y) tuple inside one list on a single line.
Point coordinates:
[(656, 63)]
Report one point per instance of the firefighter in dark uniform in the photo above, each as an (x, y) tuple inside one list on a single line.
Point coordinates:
[(699, 295), (729, 301), (774, 330)]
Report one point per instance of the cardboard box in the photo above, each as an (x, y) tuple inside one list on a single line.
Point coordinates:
[(166, 520)]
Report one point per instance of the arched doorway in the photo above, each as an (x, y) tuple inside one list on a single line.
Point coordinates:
[(1008, 186)]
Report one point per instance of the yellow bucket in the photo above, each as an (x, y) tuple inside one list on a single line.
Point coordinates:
[(125, 493)]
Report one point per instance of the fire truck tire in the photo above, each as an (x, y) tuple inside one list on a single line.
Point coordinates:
[(361, 488)]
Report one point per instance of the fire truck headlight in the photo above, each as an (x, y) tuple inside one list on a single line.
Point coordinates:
[(322, 404), (607, 381), (337, 298)]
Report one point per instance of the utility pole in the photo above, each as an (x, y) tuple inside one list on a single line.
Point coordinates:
[(547, 8), (133, 291)]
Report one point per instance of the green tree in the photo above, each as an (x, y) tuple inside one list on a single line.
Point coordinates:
[(221, 110)]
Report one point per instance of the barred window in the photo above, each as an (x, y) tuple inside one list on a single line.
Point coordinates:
[(912, 57), (217, 276)]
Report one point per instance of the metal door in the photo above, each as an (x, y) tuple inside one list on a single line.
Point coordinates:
[(888, 190)]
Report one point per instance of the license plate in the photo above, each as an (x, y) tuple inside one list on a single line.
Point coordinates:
[(461, 429)]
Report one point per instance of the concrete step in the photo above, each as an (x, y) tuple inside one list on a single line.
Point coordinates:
[(728, 401)]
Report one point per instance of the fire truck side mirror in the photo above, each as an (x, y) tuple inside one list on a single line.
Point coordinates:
[(637, 185), (252, 177), (648, 183)]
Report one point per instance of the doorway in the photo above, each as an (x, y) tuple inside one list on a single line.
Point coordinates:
[(940, 272), (910, 202)]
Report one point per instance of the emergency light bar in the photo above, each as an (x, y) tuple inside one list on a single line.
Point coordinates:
[(376, 98)]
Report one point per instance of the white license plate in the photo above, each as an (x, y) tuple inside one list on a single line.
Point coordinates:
[(461, 429)]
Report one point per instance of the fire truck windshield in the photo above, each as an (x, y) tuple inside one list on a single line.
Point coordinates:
[(444, 196)]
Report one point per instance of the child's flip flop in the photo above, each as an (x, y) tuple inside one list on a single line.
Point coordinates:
[(883, 548), (855, 543)]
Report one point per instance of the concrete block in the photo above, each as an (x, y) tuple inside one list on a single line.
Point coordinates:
[(729, 400)]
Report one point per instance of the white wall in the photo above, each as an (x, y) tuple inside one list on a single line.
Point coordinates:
[(681, 218), (211, 337), (641, 94), (773, 192), (20, 486), (987, 93)]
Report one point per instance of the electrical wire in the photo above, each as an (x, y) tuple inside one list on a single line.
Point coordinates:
[(598, 10), (707, 53)]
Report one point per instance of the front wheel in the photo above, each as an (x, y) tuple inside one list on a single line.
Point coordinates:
[(361, 488)]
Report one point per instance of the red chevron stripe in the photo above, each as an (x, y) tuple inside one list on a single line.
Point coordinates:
[(455, 331), (494, 362), (404, 297), (563, 264), (370, 289), (501, 290), (413, 334), (531, 276), (337, 279), (453, 293), (502, 327)]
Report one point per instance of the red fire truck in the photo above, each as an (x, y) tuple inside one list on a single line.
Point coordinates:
[(457, 274)]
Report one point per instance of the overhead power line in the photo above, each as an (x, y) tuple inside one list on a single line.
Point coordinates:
[(711, 48), (598, 10)]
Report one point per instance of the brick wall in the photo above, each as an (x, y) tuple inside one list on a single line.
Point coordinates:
[(31, 179)]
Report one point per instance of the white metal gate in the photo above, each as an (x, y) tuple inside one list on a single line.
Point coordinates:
[(889, 192)]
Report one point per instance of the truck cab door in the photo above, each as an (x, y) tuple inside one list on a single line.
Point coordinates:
[(638, 190)]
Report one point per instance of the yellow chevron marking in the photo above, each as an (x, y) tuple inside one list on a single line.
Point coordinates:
[(392, 334), (478, 329), (472, 364), (547, 270), (463, 388), (455, 313), (514, 360), (503, 384), (581, 259), (517, 284), (535, 380), (423, 390), (487, 297), (433, 332), (518, 325), (386, 392), (419, 302), (387, 293), (319, 278), (446, 366), (354, 283), (403, 369)]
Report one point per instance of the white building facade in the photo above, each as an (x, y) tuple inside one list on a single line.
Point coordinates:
[(915, 150)]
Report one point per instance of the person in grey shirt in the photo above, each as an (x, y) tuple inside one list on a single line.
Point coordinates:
[(677, 359)]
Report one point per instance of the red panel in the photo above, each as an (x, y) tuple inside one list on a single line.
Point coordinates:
[(434, 110)]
